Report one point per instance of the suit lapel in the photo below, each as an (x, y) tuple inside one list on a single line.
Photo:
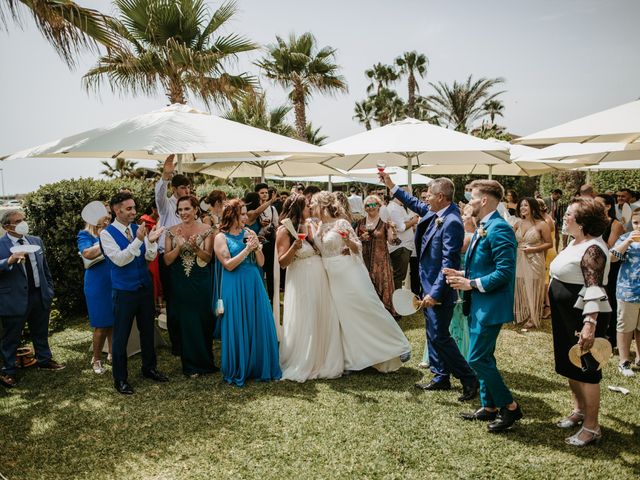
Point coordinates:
[(475, 240)]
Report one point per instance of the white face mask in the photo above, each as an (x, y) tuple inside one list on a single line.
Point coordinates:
[(467, 196), (22, 228)]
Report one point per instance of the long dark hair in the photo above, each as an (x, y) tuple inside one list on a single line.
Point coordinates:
[(609, 205), (533, 206), (293, 209), (252, 201)]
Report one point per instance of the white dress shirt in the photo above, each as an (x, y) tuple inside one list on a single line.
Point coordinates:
[(166, 209), (484, 220), (32, 258), (123, 257), (399, 216)]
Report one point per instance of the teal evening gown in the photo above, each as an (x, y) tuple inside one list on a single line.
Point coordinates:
[(247, 329), (458, 328), (192, 285)]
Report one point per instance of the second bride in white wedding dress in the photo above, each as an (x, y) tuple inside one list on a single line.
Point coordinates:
[(370, 335), (311, 346)]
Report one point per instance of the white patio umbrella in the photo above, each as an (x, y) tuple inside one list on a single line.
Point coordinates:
[(515, 169), (179, 129), (591, 153), (619, 124), (261, 167), (411, 142), (608, 166)]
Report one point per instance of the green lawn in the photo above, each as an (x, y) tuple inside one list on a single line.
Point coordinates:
[(72, 424)]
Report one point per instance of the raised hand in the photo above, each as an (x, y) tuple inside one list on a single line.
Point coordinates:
[(168, 167), (386, 180), (155, 233), (142, 231)]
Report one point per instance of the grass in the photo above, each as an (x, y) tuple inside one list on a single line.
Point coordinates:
[(72, 424)]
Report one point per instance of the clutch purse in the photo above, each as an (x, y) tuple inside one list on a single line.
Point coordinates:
[(88, 263), (219, 307)]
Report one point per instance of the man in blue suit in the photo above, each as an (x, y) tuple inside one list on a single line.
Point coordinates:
[(26, 293), (439, 238), (489, 282)]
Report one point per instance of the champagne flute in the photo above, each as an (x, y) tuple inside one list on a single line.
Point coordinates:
[(302, 232), (458, 292)]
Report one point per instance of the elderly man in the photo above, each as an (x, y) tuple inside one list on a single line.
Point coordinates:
[(438, 240), (168, 217), (26, 293), (128, 247)]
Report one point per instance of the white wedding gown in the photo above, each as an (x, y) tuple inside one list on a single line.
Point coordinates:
[(311, 346), (370, 335)]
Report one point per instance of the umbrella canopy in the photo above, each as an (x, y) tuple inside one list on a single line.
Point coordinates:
[(411, 142), (251, 168), (399, 176), (620, 124), (178, 129), (588, 153), (627, 165)]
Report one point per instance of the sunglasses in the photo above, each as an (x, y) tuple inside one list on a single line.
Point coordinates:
[(371, 205)]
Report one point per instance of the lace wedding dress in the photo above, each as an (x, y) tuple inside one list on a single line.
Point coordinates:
[(370, 335), (311, 346)]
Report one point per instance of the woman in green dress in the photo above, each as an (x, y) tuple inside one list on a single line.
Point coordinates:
[(188, 251)]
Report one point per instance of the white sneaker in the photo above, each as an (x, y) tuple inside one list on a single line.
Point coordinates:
[(97, 367), (625, 369)]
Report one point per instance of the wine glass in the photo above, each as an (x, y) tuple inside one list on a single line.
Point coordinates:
[(302, 232), (381, 166), (458, 292)]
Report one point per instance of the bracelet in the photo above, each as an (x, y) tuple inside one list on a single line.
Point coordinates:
[(588, 320)]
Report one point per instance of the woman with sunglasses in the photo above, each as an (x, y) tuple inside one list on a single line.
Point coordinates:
[(375, 235)]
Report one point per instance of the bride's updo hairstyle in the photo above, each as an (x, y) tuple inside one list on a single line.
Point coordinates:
[(328, 204), (293, 209), (231, 214)]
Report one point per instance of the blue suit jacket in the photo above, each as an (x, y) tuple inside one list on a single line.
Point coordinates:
[(437, 246), (492, 261), (14, 289)]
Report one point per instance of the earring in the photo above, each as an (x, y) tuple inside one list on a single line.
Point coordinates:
[(580, 227)]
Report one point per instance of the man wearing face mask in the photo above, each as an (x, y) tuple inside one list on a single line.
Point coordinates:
[(26, 293)]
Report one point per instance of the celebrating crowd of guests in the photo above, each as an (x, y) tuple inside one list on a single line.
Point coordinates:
[(216, 266)]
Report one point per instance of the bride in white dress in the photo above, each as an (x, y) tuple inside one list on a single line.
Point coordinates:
[(310, 346), (370, 335)]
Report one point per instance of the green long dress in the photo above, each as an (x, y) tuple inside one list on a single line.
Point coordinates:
[(192, 292)]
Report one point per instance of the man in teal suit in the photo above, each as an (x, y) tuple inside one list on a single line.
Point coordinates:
[(489, 282)]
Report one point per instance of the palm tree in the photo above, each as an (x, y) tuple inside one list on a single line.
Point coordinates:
[(121, 168), (68, 27), (423, 111), (381, 76), (493, 108), (300, 66), (253, 110), (313, 135), (461, 104), (388, 106), (364, 113), (409, 64), (175, 45)]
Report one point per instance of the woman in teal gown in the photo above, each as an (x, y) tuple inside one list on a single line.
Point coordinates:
[(188, 253), (459, 326), (247, 329)]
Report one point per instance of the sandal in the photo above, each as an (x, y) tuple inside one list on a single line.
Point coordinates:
[(596, 436), (546, 312), (569, 422)]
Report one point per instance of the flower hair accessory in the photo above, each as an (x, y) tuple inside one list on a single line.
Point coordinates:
[(439, 222)]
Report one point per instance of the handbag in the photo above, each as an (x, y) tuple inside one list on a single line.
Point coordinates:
[(88, 263), (219, 310)]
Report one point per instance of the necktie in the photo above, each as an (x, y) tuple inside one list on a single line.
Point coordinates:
[(127, 232), (28, 268)]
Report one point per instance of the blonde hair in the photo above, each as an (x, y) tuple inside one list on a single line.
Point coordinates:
[(328, 204), (92, 229)]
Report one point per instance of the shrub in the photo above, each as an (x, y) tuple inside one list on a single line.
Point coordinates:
[(615, 180), (53, 213)]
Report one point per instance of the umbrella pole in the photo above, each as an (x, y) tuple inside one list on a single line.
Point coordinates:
[(262, 173), (490, 172), (409, 165), (330, 184), (179, 165)]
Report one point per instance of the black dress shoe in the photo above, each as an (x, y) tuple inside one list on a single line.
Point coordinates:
[(469, 392), (155, 375), (482, 414), (505, 419), (433, 385), (8, 381), (123, 387)]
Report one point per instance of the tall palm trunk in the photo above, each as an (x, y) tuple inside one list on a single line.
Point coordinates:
[(367, 125), (299, 109), (411, 99)]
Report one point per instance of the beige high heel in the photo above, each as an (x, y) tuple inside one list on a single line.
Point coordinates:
[(567, 422), (596, 436)]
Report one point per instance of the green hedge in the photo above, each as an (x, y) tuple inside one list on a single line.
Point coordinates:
[(615, 180), (53, 212)]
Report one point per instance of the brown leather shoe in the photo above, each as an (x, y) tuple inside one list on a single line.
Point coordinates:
[(51, 365), (8, 381)]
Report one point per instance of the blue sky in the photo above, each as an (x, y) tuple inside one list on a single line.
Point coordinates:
[(561, 60)]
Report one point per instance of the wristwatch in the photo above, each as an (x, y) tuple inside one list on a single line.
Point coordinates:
[(473, 284)]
